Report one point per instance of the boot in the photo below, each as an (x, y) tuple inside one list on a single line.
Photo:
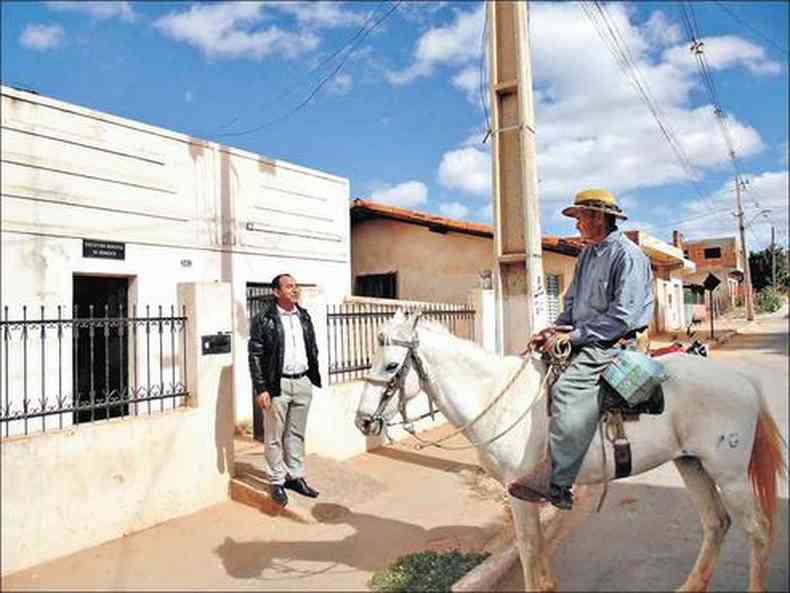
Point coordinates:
[(535, 486)]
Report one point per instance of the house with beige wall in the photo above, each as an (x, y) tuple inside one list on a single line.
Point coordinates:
[(404, 254), (96, 206)]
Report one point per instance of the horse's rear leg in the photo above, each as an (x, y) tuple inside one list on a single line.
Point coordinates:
[(743, 504), (715, 521), (535, 560)]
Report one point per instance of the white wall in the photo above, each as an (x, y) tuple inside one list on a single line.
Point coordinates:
[(186, 209), (66, 490)]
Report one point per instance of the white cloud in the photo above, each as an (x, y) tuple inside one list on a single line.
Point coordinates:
[(340, 84), (466, 169), (468, 80), (320, 14), (228, 30), (660, 32), (724, 52), (486, 213), (454, 210), (456, 43), (41, 37), (97, 9), (592, 128), (406, 195), (768, 190)]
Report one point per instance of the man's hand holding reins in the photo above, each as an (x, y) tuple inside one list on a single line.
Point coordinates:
[(545, 339)]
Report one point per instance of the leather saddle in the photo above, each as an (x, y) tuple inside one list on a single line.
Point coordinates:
[(610, 401)]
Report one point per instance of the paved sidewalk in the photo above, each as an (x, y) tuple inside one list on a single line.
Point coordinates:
[(372, 509), (724, 328)]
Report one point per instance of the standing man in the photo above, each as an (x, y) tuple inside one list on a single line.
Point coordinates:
[(609, 304), (283, 360)]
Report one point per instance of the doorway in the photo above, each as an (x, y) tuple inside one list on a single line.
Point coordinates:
[(101, 357)]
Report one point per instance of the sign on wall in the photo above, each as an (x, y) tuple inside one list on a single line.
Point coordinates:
[(103, 249)]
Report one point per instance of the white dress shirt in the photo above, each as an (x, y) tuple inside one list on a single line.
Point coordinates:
[(295, 359)]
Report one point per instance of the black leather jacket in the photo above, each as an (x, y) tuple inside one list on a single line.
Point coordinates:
[(266, 350)]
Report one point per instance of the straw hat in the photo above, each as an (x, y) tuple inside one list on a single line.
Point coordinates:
[(595, 199)]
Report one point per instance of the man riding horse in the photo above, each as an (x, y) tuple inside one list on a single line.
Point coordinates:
[(608, 304)]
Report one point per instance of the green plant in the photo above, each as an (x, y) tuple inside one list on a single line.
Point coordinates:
[(768, 300), (425, 571), (739, 301)]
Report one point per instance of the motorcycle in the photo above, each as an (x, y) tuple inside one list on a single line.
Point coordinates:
[(696, 347)]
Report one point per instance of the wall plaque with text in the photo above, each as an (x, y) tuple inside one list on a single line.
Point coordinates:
[(103, 249)]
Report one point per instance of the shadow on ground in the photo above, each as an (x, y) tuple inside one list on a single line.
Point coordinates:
[(646, 538), (361, 550)]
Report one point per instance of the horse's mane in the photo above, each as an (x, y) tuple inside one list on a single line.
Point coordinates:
[(460, 345)]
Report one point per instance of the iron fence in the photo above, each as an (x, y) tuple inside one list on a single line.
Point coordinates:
[(352, 328), (88, 368)]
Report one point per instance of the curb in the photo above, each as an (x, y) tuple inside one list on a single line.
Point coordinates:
[(488, 573)]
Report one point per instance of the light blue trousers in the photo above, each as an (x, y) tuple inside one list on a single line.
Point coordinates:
[(574, 411)]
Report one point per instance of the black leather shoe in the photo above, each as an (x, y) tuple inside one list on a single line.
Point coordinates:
[(300, 485), (279, 496), (561, 497)]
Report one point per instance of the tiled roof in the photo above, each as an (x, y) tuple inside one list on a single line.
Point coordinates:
[(366, 209)]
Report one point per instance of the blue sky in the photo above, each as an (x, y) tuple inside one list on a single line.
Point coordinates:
[(402, 118)]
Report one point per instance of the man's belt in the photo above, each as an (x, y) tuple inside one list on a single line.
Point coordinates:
[(295, 375)]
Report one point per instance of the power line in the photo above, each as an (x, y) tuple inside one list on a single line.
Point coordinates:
[(753, 29), (483, 42), (619, 49), (326, 79)]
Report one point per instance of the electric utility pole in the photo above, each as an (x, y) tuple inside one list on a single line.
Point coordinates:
[(517, 246), (739, 185), (773, 257)]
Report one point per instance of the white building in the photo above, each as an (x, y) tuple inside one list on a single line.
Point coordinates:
[(100, 209)]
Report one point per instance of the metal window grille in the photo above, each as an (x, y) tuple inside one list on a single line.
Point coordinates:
[(352, 329), (62, 371)]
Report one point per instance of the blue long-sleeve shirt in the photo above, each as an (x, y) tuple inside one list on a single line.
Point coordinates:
[(611, 292)]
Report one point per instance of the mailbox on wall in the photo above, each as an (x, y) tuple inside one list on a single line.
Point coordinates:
[(216, 343)]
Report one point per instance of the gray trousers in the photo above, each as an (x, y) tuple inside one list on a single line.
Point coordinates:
[(284, 426), (574, 409)]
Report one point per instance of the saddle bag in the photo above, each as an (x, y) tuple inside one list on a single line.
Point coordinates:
[(634, 376)]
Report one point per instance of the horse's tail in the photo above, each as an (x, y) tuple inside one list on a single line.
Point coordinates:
[(767, 464)]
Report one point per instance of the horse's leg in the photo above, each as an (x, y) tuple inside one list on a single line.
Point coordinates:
[(744, 506), (529, 538), (715, 521)]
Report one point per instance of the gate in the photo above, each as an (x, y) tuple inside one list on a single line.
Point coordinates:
[(352, 329)]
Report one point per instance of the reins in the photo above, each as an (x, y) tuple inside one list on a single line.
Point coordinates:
[(558, 359)]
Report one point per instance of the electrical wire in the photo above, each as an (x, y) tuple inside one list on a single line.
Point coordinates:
[(483, 45), (753, 29), (327, 78), (613, 39)]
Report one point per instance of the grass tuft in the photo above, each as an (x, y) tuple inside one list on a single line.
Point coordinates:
[(425, 571)]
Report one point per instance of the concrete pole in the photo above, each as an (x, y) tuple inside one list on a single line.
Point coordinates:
[(519, 274), (773, 257), (747, 270)]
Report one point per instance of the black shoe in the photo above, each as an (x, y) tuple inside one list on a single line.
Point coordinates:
[(561, 497), (300, 485), (279, 496)]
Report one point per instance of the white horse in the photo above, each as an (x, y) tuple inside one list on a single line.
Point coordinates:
[(715, 428)]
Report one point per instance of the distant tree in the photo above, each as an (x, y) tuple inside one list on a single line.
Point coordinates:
[(760, 263)]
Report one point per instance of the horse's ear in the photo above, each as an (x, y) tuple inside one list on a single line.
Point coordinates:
[(399, 317), (415, 318)]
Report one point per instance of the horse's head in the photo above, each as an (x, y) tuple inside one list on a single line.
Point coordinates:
[(392, 381)]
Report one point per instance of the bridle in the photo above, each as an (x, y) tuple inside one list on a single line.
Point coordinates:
[(396, 383)]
